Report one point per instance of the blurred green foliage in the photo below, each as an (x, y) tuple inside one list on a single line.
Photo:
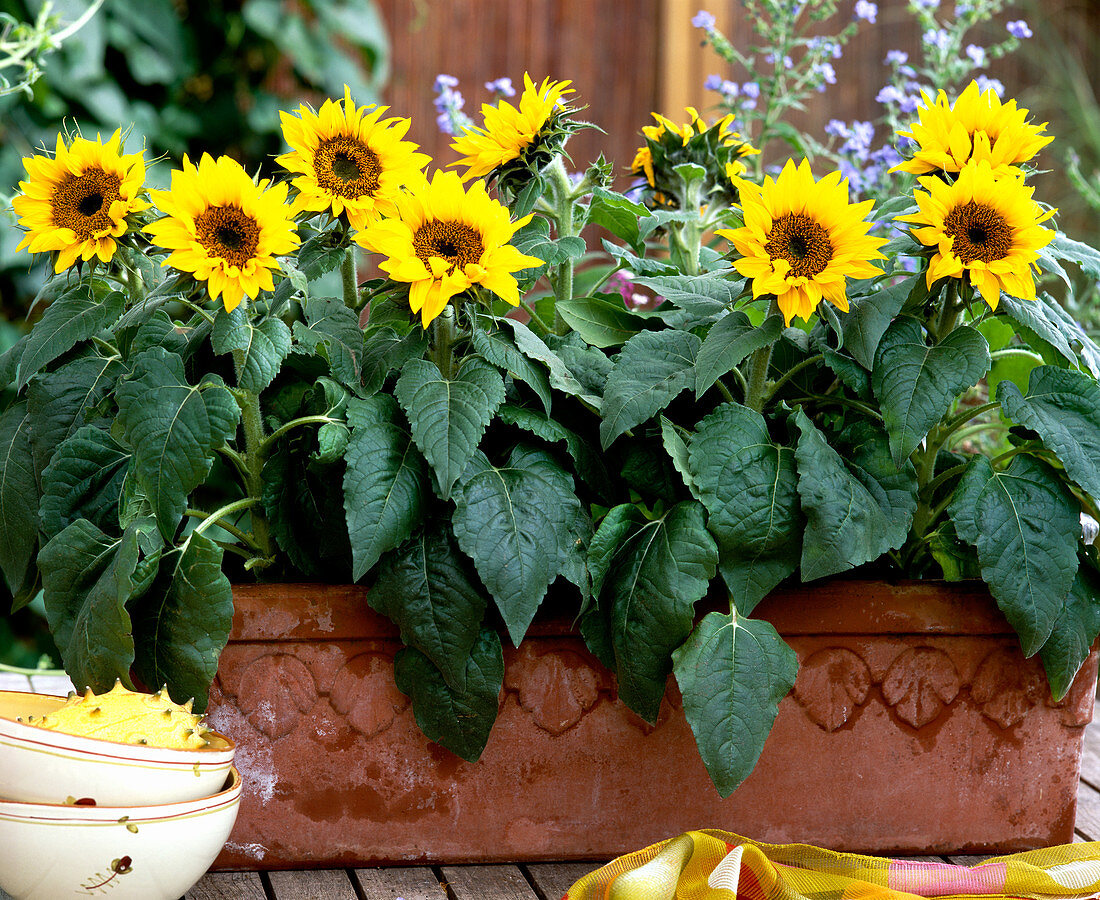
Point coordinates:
[(189, 76)]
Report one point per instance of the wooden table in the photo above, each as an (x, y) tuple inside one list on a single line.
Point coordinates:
[(542, 881)]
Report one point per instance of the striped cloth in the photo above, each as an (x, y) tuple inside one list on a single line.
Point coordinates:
[(717, 865)]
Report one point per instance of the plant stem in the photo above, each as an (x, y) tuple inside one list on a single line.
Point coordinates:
[(227, 510), (253, 459), (759, 363), (242, 536), (443, 333), (293, 423), (535, 317), (350, 279), (790, 373), (562, 190)]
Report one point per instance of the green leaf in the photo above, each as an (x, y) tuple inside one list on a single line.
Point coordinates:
[(618, 215), (732, 673), (424, 588), (652, 368), (459, 720), (498, 349), (657, 574), (1088, 258), (1026, 527), (868, 318), (174, 429), (87, 578), (857, 506), (258, 350), (449, 416), (384, 484), (601, 322), (1051, 323), (1063, 407), (333, 330), (84, 481), (749, 487), (677, 449), (850, 373), (73, 317), (160, 331), (730, 340), (18, 495), (589, 463), (1074, 632), (704, 295), (62, 401), (561, 377), (916, 384), (182, 624), (1014, 364), (511, 523), (595, 621)]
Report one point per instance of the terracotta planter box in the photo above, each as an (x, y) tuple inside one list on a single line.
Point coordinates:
[(915, 727)]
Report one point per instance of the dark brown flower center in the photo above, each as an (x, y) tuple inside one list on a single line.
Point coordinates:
[(980, 232), (83, 202), (800, 241), (346, 168), (457, 243), (228, 233)]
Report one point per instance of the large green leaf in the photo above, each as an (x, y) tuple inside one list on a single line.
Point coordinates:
[(333, 329), (1074, 632), (73, 317), (62, 401), (459, 720), (732, 673), (502, 351), (258, 350), (84, 481), (511, 522), (619, 215), (424, 587), (18, 495), (449, 415), (857, 506), (657, 573), (384, 484), (87, 579), (916, 384), (730, 340), (652, 368), (750, 489), (868, 318), (1063, 406), (601, 322), (1046, 318), (589, 463), (705, 295), (182, 623), (174, 429), (561, 375), (1026, 527)]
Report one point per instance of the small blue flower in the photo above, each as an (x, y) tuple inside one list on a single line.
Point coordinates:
[(990, 84), (937, 37), (866, 10), (1019, 29), (750, 89), (925, 4), (704, 20), (897, 58), (713, 83), (729, 89), (909, 103), (826, 73), (976, 54), (890, 94), (502, 86), (442, 82), (837, 128)]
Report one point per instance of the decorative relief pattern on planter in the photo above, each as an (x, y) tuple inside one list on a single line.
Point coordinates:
[(365, 695), (557, 688), (831, 684), (920, 684), (273, 693), (1005, 687)]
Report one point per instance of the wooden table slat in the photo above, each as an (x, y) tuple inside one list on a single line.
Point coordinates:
[(1088, 811), (967, 860), (420, 883), (1090, 754), (502, 882), (552, 880), (229, 886), (312, 884)]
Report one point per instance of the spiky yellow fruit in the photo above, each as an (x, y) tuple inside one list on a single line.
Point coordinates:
[(128, 717)]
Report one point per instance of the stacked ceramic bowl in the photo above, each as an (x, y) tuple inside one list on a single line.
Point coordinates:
[(81, 816)]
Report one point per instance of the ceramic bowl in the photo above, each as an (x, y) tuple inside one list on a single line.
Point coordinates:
[(42, 766), (50, 850)]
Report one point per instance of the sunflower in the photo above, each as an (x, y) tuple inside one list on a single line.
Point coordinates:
[(349, 159), (509, 133), (977, 128), (76, 204), (223, 228), (446, 240), (802, 238), (985, 225)]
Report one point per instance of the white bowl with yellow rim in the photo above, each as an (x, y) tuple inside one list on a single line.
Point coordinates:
[(156, 852), (44, 766)]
